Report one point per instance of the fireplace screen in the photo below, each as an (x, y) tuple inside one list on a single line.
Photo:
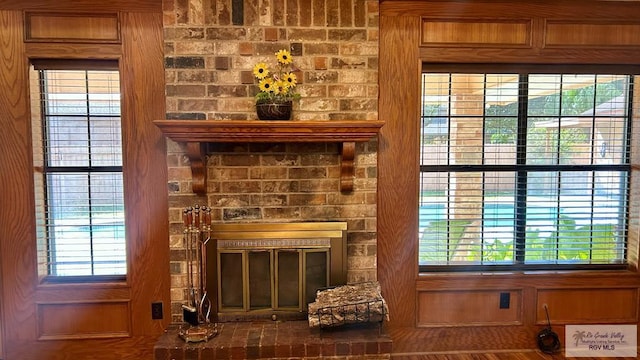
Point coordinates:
[(271, 279), (275, 269)]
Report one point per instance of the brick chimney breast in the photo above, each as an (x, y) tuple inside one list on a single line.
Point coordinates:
[(210, 49)]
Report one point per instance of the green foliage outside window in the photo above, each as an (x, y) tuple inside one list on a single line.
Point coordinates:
[(581, 243)]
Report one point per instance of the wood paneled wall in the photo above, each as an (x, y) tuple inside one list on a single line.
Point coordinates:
[(62, 27), (461, 311), (105, 320), (83, 6)]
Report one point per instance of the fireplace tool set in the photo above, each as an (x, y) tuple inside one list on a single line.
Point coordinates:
[(197, 325)]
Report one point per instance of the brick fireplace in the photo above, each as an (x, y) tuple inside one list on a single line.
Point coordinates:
[(210, 48)]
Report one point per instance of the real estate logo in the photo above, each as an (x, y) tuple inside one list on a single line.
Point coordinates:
[(601, 341)]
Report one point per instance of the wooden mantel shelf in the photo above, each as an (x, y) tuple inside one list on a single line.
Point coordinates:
[(194, 133)]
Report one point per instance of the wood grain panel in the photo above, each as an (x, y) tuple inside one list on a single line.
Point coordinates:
[(77, 293), (549, 9), (72, 51), (17, 244), (553, 55), (591, 34), (272, 131), (72, 320), (471, 32), (399, 73), (462, 308), (1, 322), (60, 27), (585, 306), (533, 279), (460, 19), (145, 168), (83, 5)]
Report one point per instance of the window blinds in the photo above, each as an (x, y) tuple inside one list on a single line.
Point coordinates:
[(523, 170), (78, 168)]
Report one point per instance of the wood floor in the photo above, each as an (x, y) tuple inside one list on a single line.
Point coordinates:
[(506, 355)]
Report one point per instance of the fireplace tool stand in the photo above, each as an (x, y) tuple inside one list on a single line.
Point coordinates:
[(197, 325)]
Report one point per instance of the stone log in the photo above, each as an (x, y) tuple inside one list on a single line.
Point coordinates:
[(348, 304)]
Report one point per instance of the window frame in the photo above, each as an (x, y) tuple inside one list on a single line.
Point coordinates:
[(520, 168), (44, 169)]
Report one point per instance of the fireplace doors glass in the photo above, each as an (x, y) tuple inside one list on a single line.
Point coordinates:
[(271, 279)]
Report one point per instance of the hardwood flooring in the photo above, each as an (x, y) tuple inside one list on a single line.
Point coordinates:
[(498, 355)]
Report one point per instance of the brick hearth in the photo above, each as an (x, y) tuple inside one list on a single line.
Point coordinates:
[(278, 340)]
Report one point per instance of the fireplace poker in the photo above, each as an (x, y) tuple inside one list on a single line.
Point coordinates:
[(189, 310), (205, 236), (196, 235)]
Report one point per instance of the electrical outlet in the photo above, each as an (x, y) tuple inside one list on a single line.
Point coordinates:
[(505, 300), (156, 310)]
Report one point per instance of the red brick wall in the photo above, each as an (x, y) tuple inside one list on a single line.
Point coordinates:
[(210, 49)]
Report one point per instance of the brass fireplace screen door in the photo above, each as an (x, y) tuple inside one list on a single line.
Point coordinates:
[(273, 270)]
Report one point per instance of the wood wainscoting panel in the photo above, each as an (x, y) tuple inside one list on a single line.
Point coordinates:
[(101, 320), (598, 33), (61, 27), (468, 307), (476, 32), (598, 305), (83, 320)]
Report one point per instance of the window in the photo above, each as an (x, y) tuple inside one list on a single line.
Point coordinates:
[(524, 169), (78, 168)]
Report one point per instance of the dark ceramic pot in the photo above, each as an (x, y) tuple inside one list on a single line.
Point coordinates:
[(274, 111)]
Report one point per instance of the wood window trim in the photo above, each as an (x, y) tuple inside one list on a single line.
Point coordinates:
[(26, 300)]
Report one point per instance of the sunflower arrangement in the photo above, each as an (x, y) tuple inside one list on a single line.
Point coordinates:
[(276, 86)]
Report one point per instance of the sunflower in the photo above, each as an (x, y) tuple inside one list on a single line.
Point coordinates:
[(284, 57), (266, 85), (290, 79), (261, 70), (280, 87), (277, 84)]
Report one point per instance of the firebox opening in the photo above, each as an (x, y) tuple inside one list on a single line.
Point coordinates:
[(273, 269)]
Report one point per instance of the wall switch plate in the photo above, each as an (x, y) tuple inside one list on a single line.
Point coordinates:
[(505, 300), (156, 310)]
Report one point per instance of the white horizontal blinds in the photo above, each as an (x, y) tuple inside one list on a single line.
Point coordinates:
[(523, 169), (583, 128), (79, 166)]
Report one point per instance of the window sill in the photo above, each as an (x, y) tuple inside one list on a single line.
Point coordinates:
[(84, 281), (521, 279), (580, 272)]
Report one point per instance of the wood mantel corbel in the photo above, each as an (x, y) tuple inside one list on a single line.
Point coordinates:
[(196, 153), (196, 133)]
